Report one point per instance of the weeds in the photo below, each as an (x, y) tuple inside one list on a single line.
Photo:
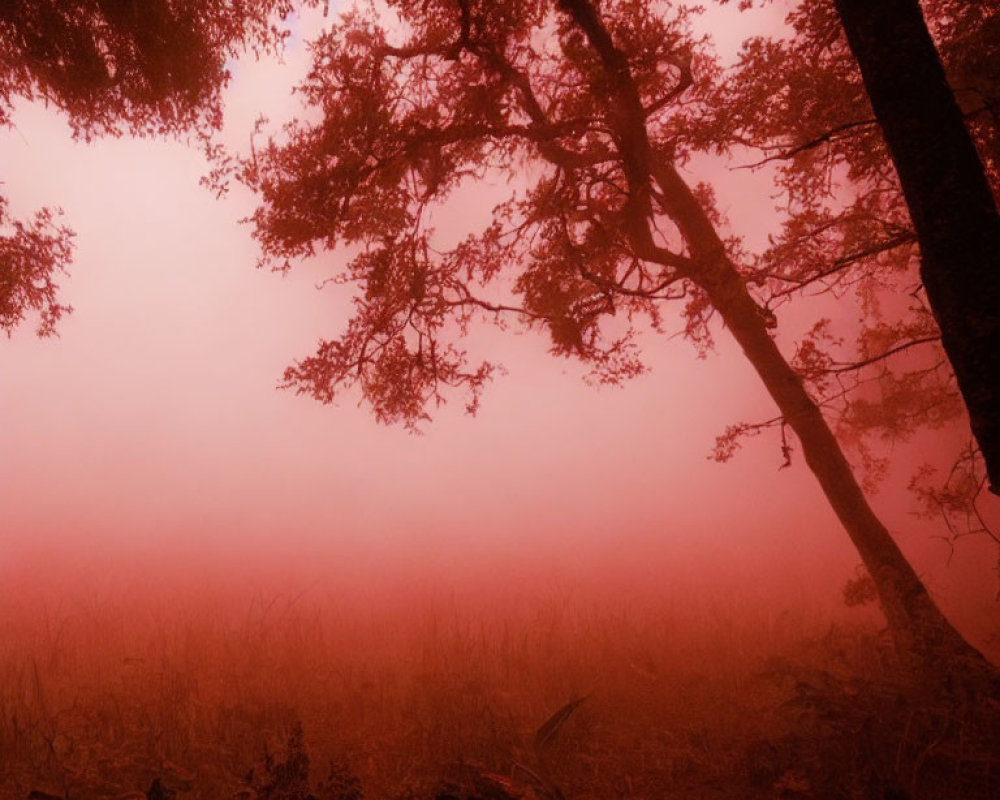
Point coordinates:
[(545, 703)]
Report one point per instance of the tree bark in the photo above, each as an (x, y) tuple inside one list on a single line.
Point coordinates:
[(925, 640), (922, 635), (945, 186)]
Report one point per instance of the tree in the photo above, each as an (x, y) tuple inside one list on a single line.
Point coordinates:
[(949, 198), (595, 106), (802, 102), (113, 67)]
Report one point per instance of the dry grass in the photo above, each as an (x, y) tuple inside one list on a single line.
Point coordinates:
[(698, 701)]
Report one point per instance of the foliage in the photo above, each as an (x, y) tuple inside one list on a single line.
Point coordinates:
[(851, 732), (31, 255), (286, 775), (418, 105), (799, 102), (112, 67), (416, 111)]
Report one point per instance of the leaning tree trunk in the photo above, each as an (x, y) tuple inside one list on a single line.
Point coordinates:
[(953, 210), (922, 634)]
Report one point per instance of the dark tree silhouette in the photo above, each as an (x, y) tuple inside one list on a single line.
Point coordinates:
[(595, 109), (113, 67), (949, 197), (800, 101), (31, 253)]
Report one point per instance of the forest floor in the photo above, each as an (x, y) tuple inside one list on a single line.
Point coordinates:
[(290, 702)]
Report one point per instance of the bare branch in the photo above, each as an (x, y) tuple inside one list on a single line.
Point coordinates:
[(831, 135), (841, 366)]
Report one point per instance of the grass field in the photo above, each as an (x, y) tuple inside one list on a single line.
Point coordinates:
[(289, 696)]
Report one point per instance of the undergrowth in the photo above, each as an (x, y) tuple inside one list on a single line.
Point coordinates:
[(549, 702)]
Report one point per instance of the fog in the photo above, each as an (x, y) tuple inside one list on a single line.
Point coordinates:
[(153, 479)]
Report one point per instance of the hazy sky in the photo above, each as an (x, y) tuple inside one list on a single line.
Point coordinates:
[(152, 427)]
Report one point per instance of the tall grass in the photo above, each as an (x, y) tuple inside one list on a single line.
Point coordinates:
[(103, 695)]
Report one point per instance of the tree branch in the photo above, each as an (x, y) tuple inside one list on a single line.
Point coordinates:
[(830, 135), (843, 366), (838, 264)]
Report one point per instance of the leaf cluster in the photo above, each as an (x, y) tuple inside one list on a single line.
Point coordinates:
[(113, 67), (427, 101), (32, 254), (136, 66)]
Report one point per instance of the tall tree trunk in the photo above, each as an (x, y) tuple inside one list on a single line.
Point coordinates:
[(922, 634), (953, 209)]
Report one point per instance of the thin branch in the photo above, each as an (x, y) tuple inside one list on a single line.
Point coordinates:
[(828, 136), (843, 366), (838, 264)]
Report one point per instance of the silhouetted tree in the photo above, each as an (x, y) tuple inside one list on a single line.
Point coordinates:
[(31, 253), (950, 201), (113, 67), (595, 109), (802, 101)]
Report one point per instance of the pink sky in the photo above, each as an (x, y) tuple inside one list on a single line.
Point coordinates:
[(151, 428)]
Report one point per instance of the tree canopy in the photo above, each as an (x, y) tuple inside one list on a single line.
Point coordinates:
[(474, 92), (112, 67), (591, 111)]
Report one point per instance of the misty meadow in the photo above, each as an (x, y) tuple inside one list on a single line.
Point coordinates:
[(613, 411)]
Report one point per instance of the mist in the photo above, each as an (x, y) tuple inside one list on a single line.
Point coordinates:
[(202, 575)]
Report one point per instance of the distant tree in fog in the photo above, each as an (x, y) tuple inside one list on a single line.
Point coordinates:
[(591, 111), (112, 67)]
